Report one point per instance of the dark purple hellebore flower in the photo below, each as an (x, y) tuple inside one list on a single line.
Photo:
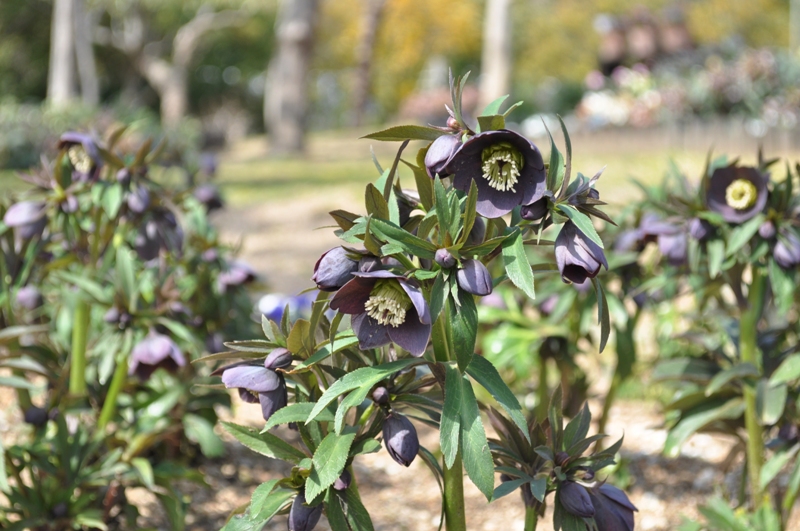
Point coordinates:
[(334, 269), (535, 210), (343, 481), (506, 167), (380, 395), (385, 308), (260, 383), (29, 298), (153, 352), (478, 232), (613, 511), (578, 258), (439, 154), (35, 416), (673, 247), (160, 232), (83, 153), (27, 218), (628, 240), (737, 193), (700, 229), (787, 250), (237, 274), (209, 195), (301, 516), (138, 199), (400, 438), (474, 278), (575, 499)]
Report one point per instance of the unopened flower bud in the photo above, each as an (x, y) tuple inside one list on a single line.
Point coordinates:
[(767, 230), (124, 176), (36, 416), (561, 458), (478, 232), (29, 298), (139, 199), (439, 154), (444, 258), (301, 516), (453, 124), (700, 229), (535, 210), (278, 359), (474, 278), (343, 481), (400, 438), (333, 269), (380, 395), (575, 499)]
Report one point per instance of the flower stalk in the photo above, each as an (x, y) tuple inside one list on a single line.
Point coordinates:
[(531, 518), (110, 403), (80, 333), (748, 324)]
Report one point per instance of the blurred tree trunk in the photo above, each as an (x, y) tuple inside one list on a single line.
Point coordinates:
[(286, 94), (364, 56), (496, 57), (61, 80), (794, 26), (87, 69)]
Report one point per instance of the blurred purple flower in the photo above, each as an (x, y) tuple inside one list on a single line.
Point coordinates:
[(138, 199), (577, 257), (238, 273), (700, 229), (787, 250), (153, 352), (272, 305), (29, 298), (767, 230), (385, 308), (83, 153), (507, 168), (209, 195), (400, 438), (27, 218), (160, 232), (737, 193)]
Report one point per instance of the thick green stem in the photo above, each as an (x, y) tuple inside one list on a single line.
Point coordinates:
[(454, 509), (110, 403), (80, 333), (531, 518), (542, 395), (748, 350)]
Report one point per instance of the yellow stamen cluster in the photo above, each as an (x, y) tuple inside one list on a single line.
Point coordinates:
[(741, 194), (80, 160), (501, 166), (388, 303)]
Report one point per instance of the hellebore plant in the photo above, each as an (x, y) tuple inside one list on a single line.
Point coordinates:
[(390, 341)]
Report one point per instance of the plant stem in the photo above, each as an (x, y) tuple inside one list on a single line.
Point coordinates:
[(454, 508), (748, 351), (110, 403), (542, 394), (531, 518), (80, 333)]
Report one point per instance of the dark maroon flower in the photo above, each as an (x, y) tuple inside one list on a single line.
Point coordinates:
[(334, 269), (578, 258), (209, 195), (154, 352), (628, 240), (613, 509), (29, 298), (673, 247), (343, 481), (474, 278), (237, 274), (260, 383), (160, 232), (700, 229), (575, 499), (138, 199), (737, 193), (36, 416), (439, 154), (478, 232), (385, 308), (444, 258), (380, 395), (535, 210), (301, 516), (506, 167), (27, 218), (400, 438), (787, 250), (83, 153)]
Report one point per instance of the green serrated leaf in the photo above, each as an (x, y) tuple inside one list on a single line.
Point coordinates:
[(518, 267), (375, 203), (406, 132), (582, 222), (474, 445), (407, 241), (602, 313), (743, 234), (329, 461), (485, 373), (716, 255), (450, 428), (465, 327), (265, 443), (494, 107)]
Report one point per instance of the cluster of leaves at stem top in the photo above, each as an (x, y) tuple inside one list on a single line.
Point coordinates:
[(729, 249), (111, 282), (391, 340)]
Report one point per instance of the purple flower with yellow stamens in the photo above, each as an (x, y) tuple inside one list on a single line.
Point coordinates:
[(737, 193), (83, 153), (507, 168), (385, 307)]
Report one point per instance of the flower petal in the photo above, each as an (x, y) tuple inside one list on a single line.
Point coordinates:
[(254, 378), (369, 332), (413, 335)]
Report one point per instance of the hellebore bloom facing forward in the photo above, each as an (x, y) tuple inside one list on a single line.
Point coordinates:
[(577, 257), (506, 167), (613, 511), (737, 193), (83, 153), (261, 384), (385, 308), (400, 438), (153, 352)]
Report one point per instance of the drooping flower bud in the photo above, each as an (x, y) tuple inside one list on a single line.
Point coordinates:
[(578, 258), (343, 481), (535, 210), (613, 509), (575, 499), (153, 352), (301, 516), (138, 199), (474, 278), (334, 268), (439, 153), (444, 258), (787, 251), (237, 274), (478, 232), (209, 195), (700, 229), (29, 298), (767, 230), (673, 247), (279, 358), (400, 438), (123, 176), (380, 395), (36, 416)]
